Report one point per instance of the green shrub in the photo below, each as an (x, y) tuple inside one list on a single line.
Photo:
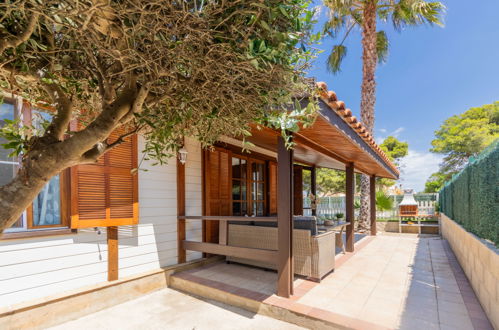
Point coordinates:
[(471, 198)]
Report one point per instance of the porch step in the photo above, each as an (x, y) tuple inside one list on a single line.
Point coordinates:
[(264, 304)]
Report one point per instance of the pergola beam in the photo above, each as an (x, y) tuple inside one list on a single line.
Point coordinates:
[(284, 219)]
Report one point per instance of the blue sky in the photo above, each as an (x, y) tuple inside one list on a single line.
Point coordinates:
[(431, 74)]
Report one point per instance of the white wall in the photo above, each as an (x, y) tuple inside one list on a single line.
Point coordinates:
[(38, 267)]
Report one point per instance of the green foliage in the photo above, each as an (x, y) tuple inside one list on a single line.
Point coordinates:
[(383, 201), (470, 198), (394, 149), (208, 68), (329, 182), (462, 137), (335, 58), (348, 15), (339, 215), (435, 182)]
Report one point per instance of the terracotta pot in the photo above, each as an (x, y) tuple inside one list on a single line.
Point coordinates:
[(329, 222)]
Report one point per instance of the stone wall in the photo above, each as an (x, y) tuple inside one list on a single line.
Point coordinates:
[(480, 261)]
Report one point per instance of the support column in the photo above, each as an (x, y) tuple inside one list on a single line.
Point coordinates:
[(313, 187), (285, 271), (112, 253), (372, 193), (349, 200), (181, 254)]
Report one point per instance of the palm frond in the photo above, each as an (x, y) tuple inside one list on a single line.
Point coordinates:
[(416, 12), (334, 25), (382, 45), (335, 58), (383, 201)]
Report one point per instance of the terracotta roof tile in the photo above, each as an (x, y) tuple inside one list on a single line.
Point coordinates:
[(330, 98)]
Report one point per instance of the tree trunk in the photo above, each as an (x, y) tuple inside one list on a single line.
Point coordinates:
[(368, 95)]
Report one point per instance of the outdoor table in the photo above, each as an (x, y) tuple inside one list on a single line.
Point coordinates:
[(338, 227)]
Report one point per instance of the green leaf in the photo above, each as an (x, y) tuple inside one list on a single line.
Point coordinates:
[(382, 45), (335, 58)]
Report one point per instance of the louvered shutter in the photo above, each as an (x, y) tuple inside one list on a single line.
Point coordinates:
[(106, 193), (218, 190)]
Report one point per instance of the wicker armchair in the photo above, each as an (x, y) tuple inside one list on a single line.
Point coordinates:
[(313, 255)]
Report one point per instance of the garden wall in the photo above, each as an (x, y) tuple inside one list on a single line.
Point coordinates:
[(480, 261)]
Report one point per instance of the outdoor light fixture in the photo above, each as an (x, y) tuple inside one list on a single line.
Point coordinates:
[(182, 155)]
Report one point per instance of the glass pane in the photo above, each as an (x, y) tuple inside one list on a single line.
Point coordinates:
[(7, 172), (243, 168), (257, 172), (259, 209), (243, 190), (244, 208), (236, 168), (236, 208), (18, 223), (39, 118), (259, 192), (253, 208), (236, 190), (7, 111), (253, 190), (46, 206)]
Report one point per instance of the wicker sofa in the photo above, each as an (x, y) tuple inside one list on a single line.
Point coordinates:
[(313, 253)]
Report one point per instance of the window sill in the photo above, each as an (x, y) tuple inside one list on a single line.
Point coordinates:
[(37, 233)]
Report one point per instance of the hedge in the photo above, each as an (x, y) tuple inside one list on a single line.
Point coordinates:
[(471, 197)]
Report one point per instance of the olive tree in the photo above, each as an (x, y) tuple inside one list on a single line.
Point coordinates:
[(165, 69)]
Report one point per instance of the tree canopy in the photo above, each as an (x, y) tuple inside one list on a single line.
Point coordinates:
[(167, 69), (395, 150), (461, 137)]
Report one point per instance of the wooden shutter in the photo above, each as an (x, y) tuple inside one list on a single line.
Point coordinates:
[(106, 193), (218, 191), (272, 188)]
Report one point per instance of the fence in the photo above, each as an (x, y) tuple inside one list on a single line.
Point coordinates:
[(329, 206), (471, 198)]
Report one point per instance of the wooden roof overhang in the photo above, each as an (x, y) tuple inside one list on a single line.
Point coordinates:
[(331, 142)]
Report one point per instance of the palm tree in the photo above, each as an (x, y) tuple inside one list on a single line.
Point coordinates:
[(347, 15)]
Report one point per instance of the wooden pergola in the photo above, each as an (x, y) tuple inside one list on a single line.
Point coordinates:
[(337, 141)]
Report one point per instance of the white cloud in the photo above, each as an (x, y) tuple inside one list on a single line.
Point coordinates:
[(416, 167), (384, 134)]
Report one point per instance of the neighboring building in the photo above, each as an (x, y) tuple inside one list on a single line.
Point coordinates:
[(54, 247)]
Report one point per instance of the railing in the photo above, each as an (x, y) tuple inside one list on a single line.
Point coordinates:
[(329, 206), (268, 256)]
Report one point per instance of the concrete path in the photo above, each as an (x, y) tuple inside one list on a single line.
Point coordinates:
[(170, 309), (401, 282)]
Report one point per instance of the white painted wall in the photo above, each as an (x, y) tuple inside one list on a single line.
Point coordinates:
[(39, 267)]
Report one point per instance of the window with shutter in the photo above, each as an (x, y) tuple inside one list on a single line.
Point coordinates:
[(106, 193)]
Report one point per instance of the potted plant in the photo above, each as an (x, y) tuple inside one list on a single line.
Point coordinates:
[(329, 221), (339, 216)]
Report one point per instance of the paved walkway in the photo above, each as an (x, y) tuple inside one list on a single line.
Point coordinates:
[(170, 309), (392, 282)]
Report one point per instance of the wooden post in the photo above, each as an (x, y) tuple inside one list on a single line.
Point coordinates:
[(372, 190), (284, 219), (349, 200), (181, 254), (112, 253), (313, 187)]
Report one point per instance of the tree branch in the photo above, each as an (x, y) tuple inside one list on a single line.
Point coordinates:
[(14, 41), (64, 107)]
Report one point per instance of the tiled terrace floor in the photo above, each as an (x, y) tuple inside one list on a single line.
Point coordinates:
[(393, 282)]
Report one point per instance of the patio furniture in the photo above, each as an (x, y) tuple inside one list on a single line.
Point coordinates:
[(338, 229), (313, 253)]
